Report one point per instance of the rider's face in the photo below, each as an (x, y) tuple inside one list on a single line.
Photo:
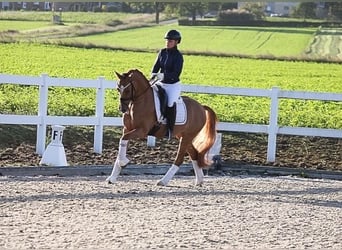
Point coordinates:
[(171, 43)]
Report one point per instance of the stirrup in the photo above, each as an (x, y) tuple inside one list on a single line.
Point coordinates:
[(169, 134)]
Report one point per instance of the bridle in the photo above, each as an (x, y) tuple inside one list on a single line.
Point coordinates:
[(121, 90), (132, 97)]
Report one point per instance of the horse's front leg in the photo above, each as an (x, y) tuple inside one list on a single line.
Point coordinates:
[(121, 161)]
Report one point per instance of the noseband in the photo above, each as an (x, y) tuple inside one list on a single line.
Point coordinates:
[(121, 90), (125, 101)]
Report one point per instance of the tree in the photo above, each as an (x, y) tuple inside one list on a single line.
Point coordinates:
[(157, 9), (258, 9), (171, 8), (334, 9), (142, 7), (306, 10), (193, 9), (228, 6)]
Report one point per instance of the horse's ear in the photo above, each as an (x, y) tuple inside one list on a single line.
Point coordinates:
[(118, 75)]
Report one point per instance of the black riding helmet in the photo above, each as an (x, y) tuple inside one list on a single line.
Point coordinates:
[(173, 35)]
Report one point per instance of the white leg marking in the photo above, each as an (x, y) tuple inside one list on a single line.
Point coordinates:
[(115, 172), (198, 173), (168, 176), (123, 160)]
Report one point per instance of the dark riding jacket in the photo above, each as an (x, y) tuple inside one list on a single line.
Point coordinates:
[(169, 62)]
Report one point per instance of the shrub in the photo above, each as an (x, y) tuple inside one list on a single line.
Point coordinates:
[(97, 9), (114, 22), (236, 15)]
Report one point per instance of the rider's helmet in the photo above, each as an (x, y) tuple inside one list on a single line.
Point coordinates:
[(173, 35)]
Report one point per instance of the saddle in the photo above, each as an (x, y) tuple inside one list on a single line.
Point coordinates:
[(160, 102)]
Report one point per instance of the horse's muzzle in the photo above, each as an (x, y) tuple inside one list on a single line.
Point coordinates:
[(123, 107)]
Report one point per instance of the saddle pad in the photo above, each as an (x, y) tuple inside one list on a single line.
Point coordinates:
[(181, 114)]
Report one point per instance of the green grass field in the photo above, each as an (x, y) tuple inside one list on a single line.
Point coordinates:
[(326, 43), (228, 40), (91, 63), (20, 25), (219, 71), (34, 58), (252, 41), (75, 17)]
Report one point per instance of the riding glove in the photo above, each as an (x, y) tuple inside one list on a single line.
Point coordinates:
[(159, 76)]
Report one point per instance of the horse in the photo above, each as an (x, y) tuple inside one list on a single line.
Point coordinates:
[(137, 103)]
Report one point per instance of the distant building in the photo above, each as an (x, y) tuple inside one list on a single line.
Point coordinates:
[(45, 6), (276, 8), (284, 9), (25, 5), (281, 8)]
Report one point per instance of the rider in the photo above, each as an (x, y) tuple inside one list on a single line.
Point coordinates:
[(170, 64)]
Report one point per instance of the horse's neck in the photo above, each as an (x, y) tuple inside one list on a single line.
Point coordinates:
[(147, 98), (143, 110), (145, 94)]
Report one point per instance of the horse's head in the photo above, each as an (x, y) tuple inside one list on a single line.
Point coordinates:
[(130, 87)]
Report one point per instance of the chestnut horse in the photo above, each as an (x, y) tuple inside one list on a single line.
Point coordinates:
[(196, 136)]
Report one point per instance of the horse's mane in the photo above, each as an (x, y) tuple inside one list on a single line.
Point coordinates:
[(136, 73)]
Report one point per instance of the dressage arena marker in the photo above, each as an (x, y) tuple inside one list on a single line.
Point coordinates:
[(151, 141), (54, 154)]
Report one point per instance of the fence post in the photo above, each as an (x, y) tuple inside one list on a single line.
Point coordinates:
[(42, 113), (273, 125), (98, 132)]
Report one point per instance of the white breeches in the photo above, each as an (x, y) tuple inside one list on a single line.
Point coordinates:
[(173, 92)]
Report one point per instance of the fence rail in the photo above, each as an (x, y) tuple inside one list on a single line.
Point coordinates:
[(42, 120)]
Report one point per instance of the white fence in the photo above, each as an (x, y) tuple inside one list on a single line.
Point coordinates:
[(42, 120)]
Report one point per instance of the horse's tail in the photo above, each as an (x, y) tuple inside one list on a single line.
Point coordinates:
[(205, 139)]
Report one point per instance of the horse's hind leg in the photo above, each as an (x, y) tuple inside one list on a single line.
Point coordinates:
[(183, 144), (120, 162), (168, 176), (198, 171)]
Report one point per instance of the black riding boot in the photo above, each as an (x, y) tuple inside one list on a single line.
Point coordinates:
[(170, 119)]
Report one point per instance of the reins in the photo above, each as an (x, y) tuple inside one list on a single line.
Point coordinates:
[(133, 98)]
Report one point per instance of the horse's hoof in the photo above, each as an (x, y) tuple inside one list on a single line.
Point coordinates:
[(110, 180), (160, 183), (198, 184)]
